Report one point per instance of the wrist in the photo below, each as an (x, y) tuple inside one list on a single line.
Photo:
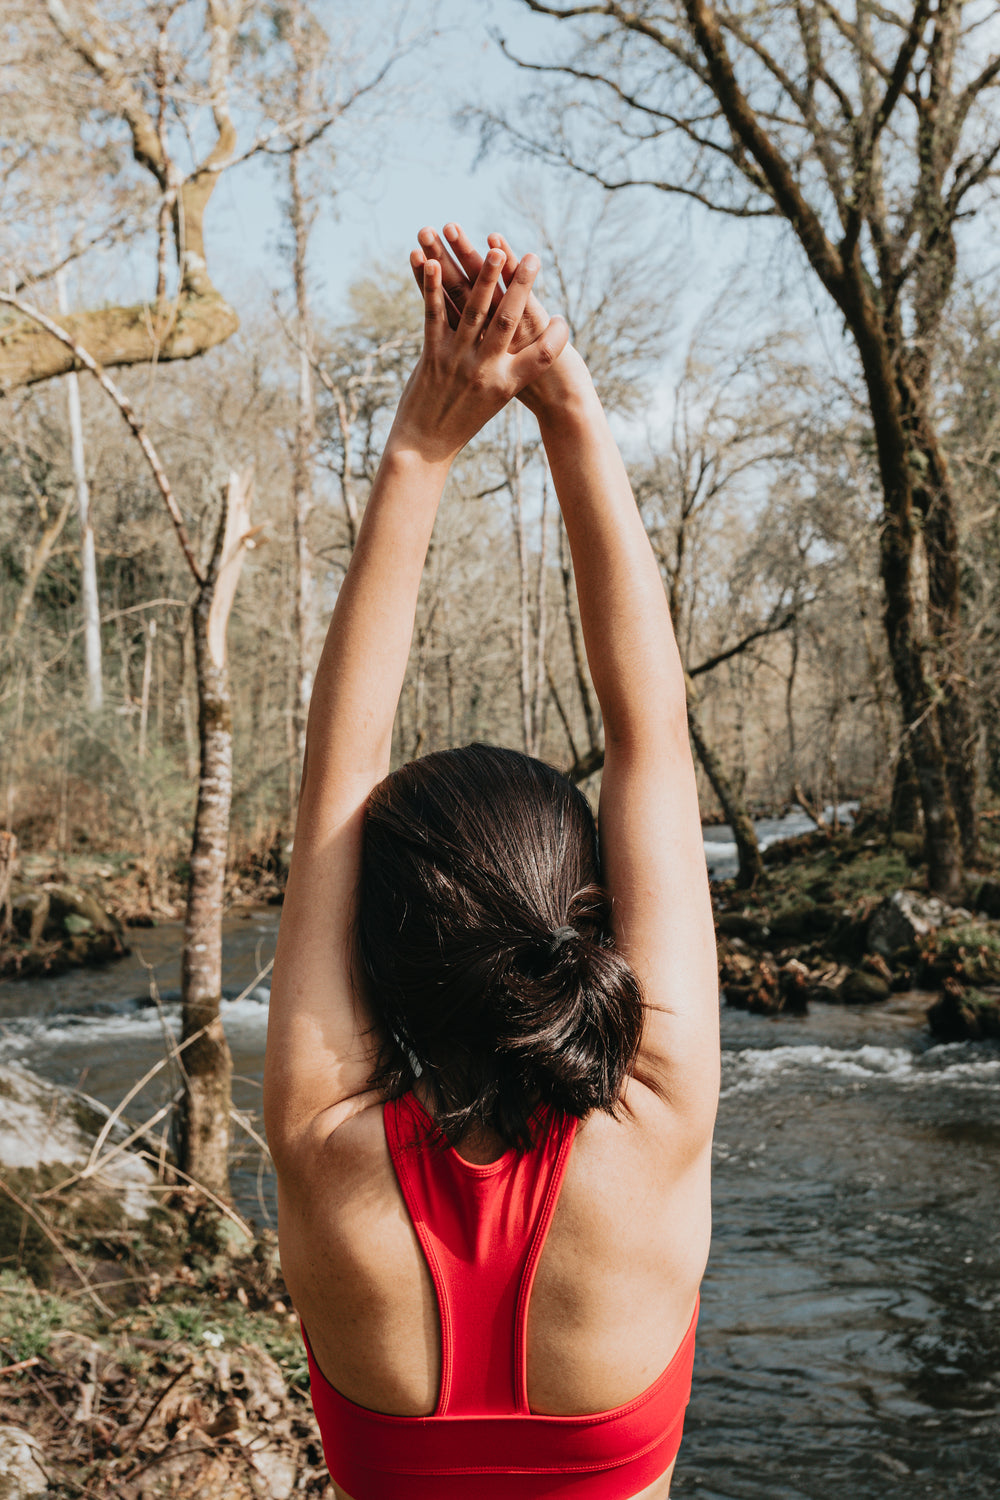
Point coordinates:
[(561, 391), (413, 453)]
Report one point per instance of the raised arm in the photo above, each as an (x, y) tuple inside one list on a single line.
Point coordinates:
[(650, 827), (319, 1048), (651, 841)]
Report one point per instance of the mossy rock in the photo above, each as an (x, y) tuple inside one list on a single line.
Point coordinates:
[(738, 924), (969, 952), (863, 988), (70, 903), (964, 1015), (984, 896)]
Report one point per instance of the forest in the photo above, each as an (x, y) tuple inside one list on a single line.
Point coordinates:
[(810, 416)]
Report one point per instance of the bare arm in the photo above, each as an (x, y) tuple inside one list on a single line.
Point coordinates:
[(319, 1048), (651, 841)]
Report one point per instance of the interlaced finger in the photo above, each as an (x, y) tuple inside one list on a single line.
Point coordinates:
[(535, 319), (507, 317), (480, 298), (417, 262), (435, 316), (456, 284), (468, 256)]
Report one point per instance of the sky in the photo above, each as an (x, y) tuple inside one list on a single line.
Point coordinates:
[(421, 169)]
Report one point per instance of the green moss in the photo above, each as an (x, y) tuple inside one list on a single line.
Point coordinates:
[(29, 1317), (973, 949)]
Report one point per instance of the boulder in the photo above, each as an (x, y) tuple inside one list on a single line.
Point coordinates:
[(985, 897), (793, 985), (22, 1466), (45, 1126), (904, 917), (862, 988), (738, 924), (70, 908)]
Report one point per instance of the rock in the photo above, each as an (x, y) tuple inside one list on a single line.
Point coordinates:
[(22, 1467), (964, 1016), (793, 982), (804, 919), (902, 918), (985, 897), (861, 988), (794, 920), (42, 1125), (737, 924), (69, 905)]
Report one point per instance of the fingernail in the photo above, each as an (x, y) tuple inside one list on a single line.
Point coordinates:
[(495, 258), (451, 231), (426, 236)]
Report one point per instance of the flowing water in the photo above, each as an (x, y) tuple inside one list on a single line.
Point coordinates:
[(849, 1345)]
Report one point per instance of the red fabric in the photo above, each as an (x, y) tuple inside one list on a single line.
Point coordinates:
[(482, 1230)]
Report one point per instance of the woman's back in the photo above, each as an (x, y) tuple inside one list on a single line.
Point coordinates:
[(613, 1294)]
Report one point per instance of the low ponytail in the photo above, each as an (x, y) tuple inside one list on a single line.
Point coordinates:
[(484, 944)]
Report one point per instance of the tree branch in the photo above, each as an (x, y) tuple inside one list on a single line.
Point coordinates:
[(772, 628), (82, 358)]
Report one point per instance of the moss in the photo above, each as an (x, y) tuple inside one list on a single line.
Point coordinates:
[(29, 1317)]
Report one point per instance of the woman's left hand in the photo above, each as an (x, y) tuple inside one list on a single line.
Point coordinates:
[(466, 374)]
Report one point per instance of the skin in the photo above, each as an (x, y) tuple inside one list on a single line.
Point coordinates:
[(618, 1277)]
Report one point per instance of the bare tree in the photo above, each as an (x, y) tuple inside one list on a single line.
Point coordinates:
[(205, 1108), (867, 134)]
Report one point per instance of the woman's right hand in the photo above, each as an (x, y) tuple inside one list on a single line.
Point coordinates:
[(461, 264), (468, 372)]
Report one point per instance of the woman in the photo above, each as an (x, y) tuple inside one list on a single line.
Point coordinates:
[(491, 1081)]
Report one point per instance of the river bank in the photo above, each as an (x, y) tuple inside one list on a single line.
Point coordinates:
[(849, 1340), (825, 926)]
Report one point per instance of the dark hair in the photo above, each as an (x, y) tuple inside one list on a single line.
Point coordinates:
[(475, 864)]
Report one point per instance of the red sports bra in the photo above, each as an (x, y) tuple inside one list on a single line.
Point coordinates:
[(482, 1229)]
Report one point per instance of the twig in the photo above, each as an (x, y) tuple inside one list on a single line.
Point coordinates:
[(22, 1364), (178, 1375), (223, 1207)]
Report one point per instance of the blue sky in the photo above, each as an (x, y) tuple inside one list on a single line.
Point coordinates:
[(420, 168)]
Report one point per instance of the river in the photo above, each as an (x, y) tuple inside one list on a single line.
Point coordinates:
[(849, 1345)]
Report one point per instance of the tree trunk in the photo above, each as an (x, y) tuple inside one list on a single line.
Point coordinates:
[(935, 501), (917, 691), (302, 458), (904, 807), (88, 562), (734, 808), (204, 1115)]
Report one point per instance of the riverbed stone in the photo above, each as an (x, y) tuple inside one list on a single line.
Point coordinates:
[(22, 1465), (45, 1126), (906, 916), (738, 924), (862, 988), (961, 1015), (69, 905)]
